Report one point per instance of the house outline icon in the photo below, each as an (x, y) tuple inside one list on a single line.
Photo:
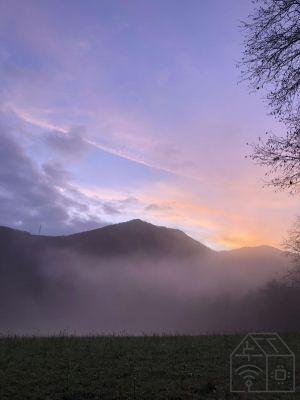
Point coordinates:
[(265, 356)]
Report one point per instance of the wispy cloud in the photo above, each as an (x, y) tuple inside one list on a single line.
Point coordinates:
[(64, 138)]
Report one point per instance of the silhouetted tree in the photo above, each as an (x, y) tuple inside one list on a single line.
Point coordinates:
[(292, 245), (272, 52), (281, 154), (271, 61)]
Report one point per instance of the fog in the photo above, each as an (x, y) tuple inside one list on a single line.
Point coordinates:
[(66, 291)]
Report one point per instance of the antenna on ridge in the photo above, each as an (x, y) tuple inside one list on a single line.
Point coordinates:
[(40, 228)]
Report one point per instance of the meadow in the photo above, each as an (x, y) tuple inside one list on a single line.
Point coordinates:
[(123, 367)]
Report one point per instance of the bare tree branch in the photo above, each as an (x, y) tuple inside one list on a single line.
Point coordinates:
[(281, 155), (272, 53), (271, 61), (292, 245)]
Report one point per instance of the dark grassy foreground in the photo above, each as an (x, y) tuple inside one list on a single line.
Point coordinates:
[(121, 367)]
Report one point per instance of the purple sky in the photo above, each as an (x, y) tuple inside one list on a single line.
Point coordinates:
[(112, 110)]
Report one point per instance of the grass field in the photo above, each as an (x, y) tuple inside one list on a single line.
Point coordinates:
[(123, 367)]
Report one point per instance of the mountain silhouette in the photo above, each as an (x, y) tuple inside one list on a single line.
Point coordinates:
[(132, 275), (136, 237), (127, 238)]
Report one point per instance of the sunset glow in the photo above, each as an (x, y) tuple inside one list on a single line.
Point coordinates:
[(115, 110)]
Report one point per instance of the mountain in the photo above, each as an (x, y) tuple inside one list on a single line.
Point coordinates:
[(134, 237), (133, 275)]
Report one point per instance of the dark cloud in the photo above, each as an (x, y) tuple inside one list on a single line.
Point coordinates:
[(69, 144), (120, 206), (56, 173), (31, 196), (111, 209), (129, 201), (158, 207)]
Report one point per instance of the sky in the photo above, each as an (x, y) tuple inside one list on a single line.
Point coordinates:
[(118, 109)]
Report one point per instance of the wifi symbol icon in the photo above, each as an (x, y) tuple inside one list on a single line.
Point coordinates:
[(249, 374)]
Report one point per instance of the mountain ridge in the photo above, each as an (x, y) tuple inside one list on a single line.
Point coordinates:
[(137, 224), (131, 275)]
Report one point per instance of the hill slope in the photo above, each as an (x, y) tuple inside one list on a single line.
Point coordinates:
[(134, 276), (129, 238)]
